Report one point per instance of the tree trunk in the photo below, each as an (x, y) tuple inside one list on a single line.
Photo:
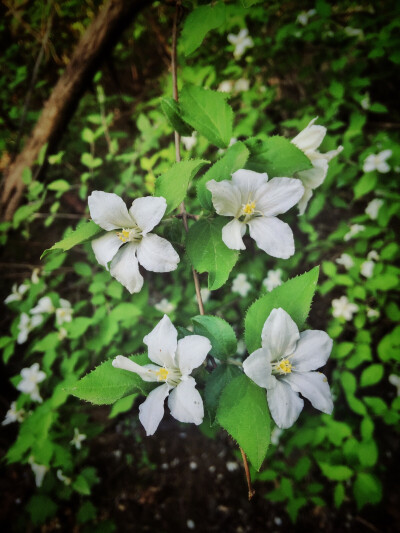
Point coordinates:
[(90, 52)]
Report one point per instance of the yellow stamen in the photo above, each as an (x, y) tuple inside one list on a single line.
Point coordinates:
[(249, 208), (123, 235), (162, 374), (284, 366)]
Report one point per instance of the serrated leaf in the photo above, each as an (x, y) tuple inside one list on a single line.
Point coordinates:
[(173, 184), (336, 472), (172, 111), (220, 334), (276, 156), (106, 384), (207, 112), (208, 253), (198, 23), (81, 234), (215, 384), (294, 296), (243, 412), (234, 159)]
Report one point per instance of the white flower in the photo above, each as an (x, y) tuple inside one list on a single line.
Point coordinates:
[(366, 102), (62, 334), (77, 439), (302, 18), (367, 269), (38, 470), (284, 365), (175, 361), (353, 32), (377, 162), (45, 305), (241, 347), (276, 435), (189, 142), (66, 480), (26, 325), (205, 295), (232, 466), (13, 415), (254, 201), (31, 377), (241, 41), (273, 279), (165, 306), (373, 207), (153, 252), (226, 86), (345, 260), (35, 276), (373, 255), (308, 141), (354, 230), (241, 285), (64, 312), (372, 313), (342, 308), (17, 292), (190, 524), (241, 85), (395, 381)]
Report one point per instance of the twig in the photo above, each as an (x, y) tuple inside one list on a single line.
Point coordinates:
[(248, 478)]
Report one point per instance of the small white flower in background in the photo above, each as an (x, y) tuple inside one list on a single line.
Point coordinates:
[(31, 377), (174, 361), (373, 207), (190, 524), (276, 435), (354, 230), (64, 312), (35, 276), (372, 313), (302, 18), (377, 162), (138, 245), (345, 260), (284, 366), (17, 292), (273, 279), (395, 381), (193, 465), (373, 255), (44, 305), (342, 308), (367, 269), (254, 201), (366, 102), (241, 85), (241, 347), (189, 142), (66, 480), (353, 32), (232, 466), (165, 306), (308, 141), (38, 470), (26, 325), (241, 41), (13, 415), (62, 334), (77, 439), (241, 285), (226, 86), (205, 295)]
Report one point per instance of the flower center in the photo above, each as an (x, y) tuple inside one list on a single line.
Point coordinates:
[(172, 376), (162, 374), (130, 235), (284, 366), (249, 208)]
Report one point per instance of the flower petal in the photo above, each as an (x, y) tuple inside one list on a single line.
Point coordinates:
[(272, 236), (147, 212), (232, 234), (258, 368), (157, 254), (285, 405), (311, 137), (314, 177), (226, 197), (278, 195), (249, 182), (192, 351), (279, 334), (106, 247), (162, 343), (151, 410), (312, 350), (303, 202), (146, 372), (185, 402), (313, 386), (125, 268), (109, 211)]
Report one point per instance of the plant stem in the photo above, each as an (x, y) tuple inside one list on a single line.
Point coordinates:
[(248, 478)]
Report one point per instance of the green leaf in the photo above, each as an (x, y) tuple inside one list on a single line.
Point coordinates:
[(276, 156), (249, 3), (89, 161), (82, 233), (336, 472), (122, 405), (106, 384), (173, 184), (198, 23), (294, 296), (367, 489), (220, 334), (77, 327), (81, 485), (234, 159), (243, 412), (365, 185), (40, 508), (339, 495), (87, 135), (208, 113), (215, 384), (172, 111), (371, 375), (59, 185), (208, 253)]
